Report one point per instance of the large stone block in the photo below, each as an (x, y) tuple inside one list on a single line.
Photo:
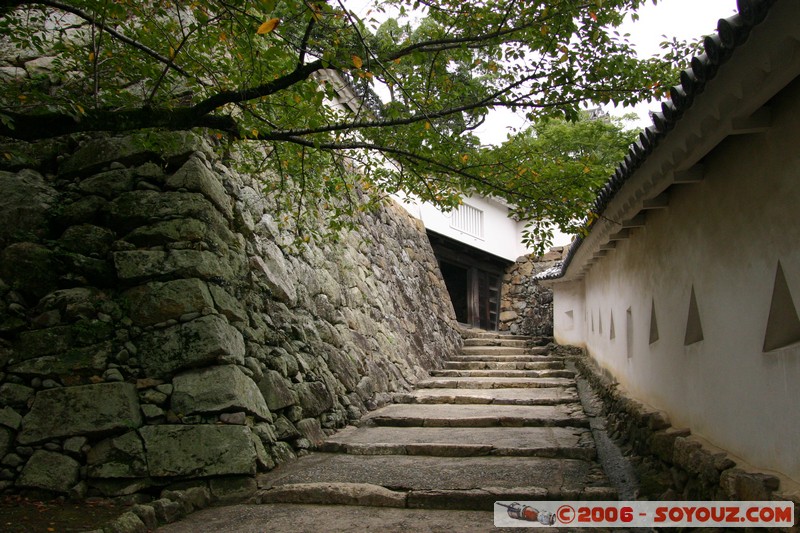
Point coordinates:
[(158, 302), (276, 390), (87, 361), (202, 264), (227, 304), (132, 149), (86, 410), (29, 267), (314, 398), (196, 177), (136, 265), (24, 201), (10, 418), (198, 451), (139, 264), (120, 457), (217, 389), (6, 440), (310, 429), (87, 239), (109, 184), (271, 268), (15, 395), (50, 471), (201, 342), (39, 342), (747, 486), (180, 230), (138, 208)]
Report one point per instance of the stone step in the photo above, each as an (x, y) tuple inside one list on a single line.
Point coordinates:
[(457, 415), (493, 383), (431, 482), (482, 334), (546, 373), (503, 365), (502, 350), (540, 396), (553, 442), (506, 358), (508, 342), (305, 518)]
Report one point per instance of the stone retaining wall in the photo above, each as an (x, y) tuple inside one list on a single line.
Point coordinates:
[(671, 463), (526, 308), (156, 329)]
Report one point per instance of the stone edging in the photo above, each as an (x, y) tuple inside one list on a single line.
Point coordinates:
[(670, 462), (174, 505)]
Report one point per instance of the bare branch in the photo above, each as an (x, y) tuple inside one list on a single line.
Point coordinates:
[(242, 95), (304, 43)]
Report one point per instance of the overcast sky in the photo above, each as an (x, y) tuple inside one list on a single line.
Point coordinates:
[(684, 19)]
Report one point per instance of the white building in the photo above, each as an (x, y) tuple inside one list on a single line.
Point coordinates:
[(686, 290), (474, 243)]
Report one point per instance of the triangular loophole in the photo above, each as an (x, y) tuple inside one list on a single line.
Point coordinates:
[(783, 325), (611, 332), (694, 327), (653, 323), (569, 323)]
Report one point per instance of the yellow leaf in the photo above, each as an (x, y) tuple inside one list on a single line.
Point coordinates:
[(397, 61), (427, 125), (544, 29), (171, 53), (357, 61), (91, 57), (464, 158), (80, 109), (297, 99), (268, 26), (7, 155), (586, 170), (255, 133)]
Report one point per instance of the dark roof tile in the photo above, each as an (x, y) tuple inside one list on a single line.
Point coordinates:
[(732, 32)]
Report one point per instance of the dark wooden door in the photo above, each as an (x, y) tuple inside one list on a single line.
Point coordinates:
[(484, 299)]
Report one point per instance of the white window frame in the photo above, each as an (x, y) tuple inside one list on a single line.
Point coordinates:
[(468, 219)]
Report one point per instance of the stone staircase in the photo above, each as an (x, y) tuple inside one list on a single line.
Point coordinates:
[(501, 421)]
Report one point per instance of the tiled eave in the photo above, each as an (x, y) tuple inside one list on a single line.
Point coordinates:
[(723, 93)]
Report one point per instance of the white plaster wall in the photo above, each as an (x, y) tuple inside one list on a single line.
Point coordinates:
[(502, 235), (724, 236), (568, 314)]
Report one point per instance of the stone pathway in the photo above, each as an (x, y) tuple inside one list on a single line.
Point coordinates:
[(500, 422)]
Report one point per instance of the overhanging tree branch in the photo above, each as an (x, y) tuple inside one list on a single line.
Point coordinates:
[(48, 125)]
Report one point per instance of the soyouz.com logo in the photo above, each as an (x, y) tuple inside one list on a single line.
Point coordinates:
[(643, 514)]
